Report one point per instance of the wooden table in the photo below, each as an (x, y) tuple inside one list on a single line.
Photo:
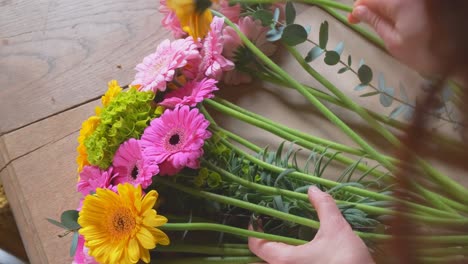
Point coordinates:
[(56, 58)]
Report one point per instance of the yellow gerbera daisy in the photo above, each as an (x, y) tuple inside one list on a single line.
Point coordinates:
[(87, 128), (120, 228), (194, 16)]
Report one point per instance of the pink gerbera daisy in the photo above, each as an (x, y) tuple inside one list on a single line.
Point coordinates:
[(133, 166), (92, 177), (176, 139), (232, 12), (191, 93), (213, 62), (256, 33), (170, 20), (81, 253), (160, 67)]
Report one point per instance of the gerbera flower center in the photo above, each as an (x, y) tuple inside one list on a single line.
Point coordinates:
[(134, 173), (122, 222), (174, 140), (202, 5)]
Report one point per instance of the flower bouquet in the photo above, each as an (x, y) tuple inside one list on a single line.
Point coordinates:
[(162, 180)]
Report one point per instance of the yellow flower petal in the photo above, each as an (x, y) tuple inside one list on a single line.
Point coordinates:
[(114, 228)]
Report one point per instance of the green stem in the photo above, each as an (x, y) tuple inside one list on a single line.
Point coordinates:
[(304, 197), (321, 107), (279, 132), (225, 228), (438, 138), (260, 209), (331, 184), (324, 3), (455, 188), (363, 32), (209, 260), (219, 250)]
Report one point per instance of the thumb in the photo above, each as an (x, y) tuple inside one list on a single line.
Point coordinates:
[(331, 219), (271, 252), (384, 28)]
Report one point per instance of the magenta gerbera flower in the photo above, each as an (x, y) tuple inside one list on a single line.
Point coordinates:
[(191, 93), (176, 139), (213, 62), (92, 177), (133, 166), (160, 67)]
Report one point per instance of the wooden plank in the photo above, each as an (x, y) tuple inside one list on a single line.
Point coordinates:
[(57, 54)]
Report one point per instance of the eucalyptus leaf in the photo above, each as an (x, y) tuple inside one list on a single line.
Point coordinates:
[(360, 87), (397, 111), (265, 16), (343, 70), (339, 48), (290, 13), (332, 58), (74, 244), (403, 93), (70, 219), (365, 74), (370, 94), (350, 60), (408, 113), (314, 53), (276, 15), (57, 223), (294, 34), (323, 35), (381, 82), (274, 34), (386, 97), (361, 62)]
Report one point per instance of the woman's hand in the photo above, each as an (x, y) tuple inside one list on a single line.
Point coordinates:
[(404, 27), (335, 241)]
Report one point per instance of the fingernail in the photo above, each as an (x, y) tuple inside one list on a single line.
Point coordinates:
[(314, 189), (359, 12)]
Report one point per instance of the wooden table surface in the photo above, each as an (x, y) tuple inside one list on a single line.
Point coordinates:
[(56, 58)]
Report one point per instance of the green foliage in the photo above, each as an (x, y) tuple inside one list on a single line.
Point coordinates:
[(290, 13), (286, 158), (265, 16), (323, 35), (125, 117), (74, 244), (365, 74), (314, 53), (294, 34), (332, 57), (70, 219)]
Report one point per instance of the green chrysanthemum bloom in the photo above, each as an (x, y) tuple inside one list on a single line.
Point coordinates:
[(125, 117)]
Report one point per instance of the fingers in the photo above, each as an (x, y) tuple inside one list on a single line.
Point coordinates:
[(386, 9), (271, 252), (384, 28), (331, 219)]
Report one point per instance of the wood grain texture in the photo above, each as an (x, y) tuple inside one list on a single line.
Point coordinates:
[(41, 182), (57, 54)]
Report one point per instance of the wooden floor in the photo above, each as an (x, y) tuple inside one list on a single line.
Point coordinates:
[(56, 58)]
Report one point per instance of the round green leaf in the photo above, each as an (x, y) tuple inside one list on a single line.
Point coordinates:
[(294, 34), (365, 74), (332, 57), (70, 219)]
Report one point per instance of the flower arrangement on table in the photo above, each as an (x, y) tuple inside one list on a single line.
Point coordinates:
[(155, 167)]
